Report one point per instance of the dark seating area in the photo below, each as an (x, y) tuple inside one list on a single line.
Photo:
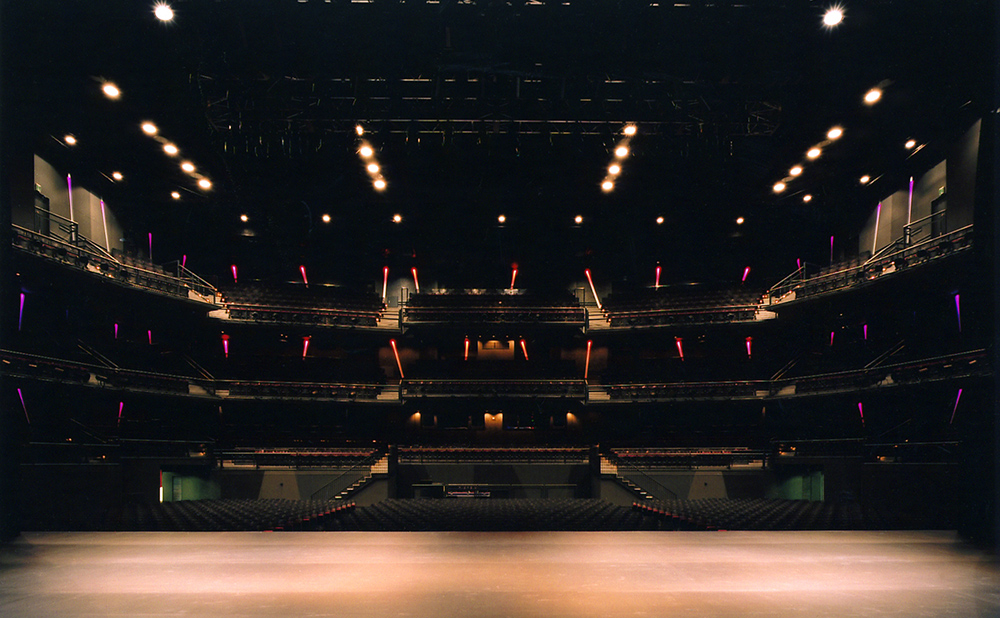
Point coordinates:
[(225, 515), (504, 388), (492, 308), (765, 514), (297, 458), (682, 305), (690, 457), (479, 455), (293, 303)]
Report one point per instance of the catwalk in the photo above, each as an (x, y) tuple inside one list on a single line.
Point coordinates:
[(449, 574)]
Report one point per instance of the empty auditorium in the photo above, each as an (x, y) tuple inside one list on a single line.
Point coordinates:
[(499, 308)]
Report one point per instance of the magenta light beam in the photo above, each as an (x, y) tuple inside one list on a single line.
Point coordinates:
[(680, 346), (20, 314), (302, 269), (831, 337), (749, 341), (234, 273), (593, 289), (958, 311), (121, 407), (184, 259), (909, 204), (953, 410), (861, 411), (746, 273), (149, 333), (656, 285), (798, 263), (831, 249), (116, 330), (225, 345), (305, 345), (25, 408), (864, 327), (150, 246), (513, 276)]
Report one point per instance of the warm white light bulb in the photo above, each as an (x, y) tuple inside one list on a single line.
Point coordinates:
[(170, 149), (111, 91), (778, 187), (163, 11), (149, 128), (205, 183)]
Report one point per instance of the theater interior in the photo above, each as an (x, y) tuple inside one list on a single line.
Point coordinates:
[(498, 308)]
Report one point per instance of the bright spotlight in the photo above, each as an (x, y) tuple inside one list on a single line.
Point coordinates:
[(397, 218), (170, 149), (807, 198), (187, 166), (366, 151), (205, 183), (578, 219), (244, 218), (739, 220), (175, 194), (834, 133), (502, 219), (814, 153), (614, 169), (149, 128), (607, 185), (360, 130), (117, 175), (778, 187), (865, 179), (621, 152), (872, 96), (659, 221), (833, 17), (163, 11), (795, 171), (910, 143), (380, 184), (111, 91), (326, 218), (629, 130), (69, 139), (373, 168)]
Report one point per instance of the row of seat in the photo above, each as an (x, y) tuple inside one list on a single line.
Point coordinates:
[(452, 454), (761, 514)]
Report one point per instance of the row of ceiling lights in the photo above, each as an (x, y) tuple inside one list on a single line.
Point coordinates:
[(367, 154), (621, 152)]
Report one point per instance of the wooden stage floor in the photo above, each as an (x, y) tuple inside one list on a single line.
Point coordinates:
[(453, 574)]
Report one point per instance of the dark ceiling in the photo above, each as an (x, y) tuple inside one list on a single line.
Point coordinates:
[(483, 108)]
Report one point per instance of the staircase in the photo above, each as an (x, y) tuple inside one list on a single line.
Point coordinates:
[(380, 467), (609, 468)]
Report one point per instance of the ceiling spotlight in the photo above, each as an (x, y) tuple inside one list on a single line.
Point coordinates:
[(397, 218), (205, 183), (629, 130), (614, 169), (607, 185), (910, 143), (175, 194), (659, 221), (69, 139), (163, 11), (111, 91), (117, 175), (834, 133), (149, 128), (872, 96), (795, 171), (325, 218), (578, 219), (170, 149), (807, 198), (865, 179), (380, 184), (373, 168), (360, 130), (778, 187), (187, 166), (621, 152), (244, 218), (813, 153), (833, 16), (739, 220), (366, 151), (502, 219)]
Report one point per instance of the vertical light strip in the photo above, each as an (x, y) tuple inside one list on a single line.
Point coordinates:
[(861, 411), (958, 311), (593, 289), (749, 341), (746, 273), (416, 283), (878, 213), (150, 247), (69, 184), (831, 250), (25, 408), (513, 276), (586, 365), (466, 349), (385, 282), (302, 269), (680, 346), (656, 284), (104, 219), (20, 314), (524, 348), (395, 352), (953, 410), (909, 204), (305, 345)]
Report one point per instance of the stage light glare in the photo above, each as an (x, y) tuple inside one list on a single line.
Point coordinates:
[(205, 183), (614, 169), (578, 219), (117, 175), (778, 187), (814, 153), (659, 221), (69, 139), (795, 171), (502, 219), (187, 166), (326, 218), (171, 149), (834, 133), (176, 195), (833, 17), (872, 96), (366, 151), (149, 128), (607, 185), (910, 143), (629, 130), (163, 12), (373, 168), (244, 218), (380, 184), (360, 130), (740, 220), (621, 152), (397, 218), (807, 198), (111, 91)]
